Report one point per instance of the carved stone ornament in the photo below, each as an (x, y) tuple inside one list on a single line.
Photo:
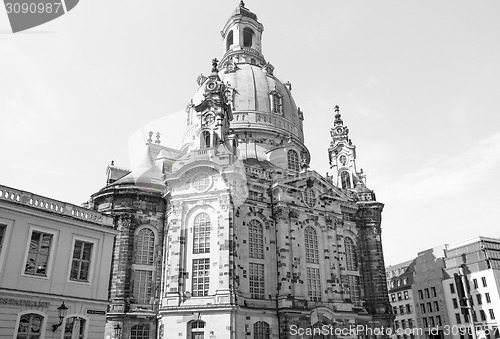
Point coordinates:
[(282, 213), (224, 202), (176, 207)]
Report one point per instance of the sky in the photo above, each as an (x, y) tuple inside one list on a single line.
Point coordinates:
[(417, 82)]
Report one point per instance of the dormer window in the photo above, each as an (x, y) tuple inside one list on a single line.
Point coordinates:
[(205, 139), (345, 180), (293, 160), (229, 40), (247, 37), (276, 102)]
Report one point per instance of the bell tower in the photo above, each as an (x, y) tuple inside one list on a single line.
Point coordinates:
[(242, 36), (342, 156), (214, 114)]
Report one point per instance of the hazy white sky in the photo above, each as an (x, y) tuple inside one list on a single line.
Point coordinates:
[(418, 84)]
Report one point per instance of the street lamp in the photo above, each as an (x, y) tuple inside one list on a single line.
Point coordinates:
[(61, 310)]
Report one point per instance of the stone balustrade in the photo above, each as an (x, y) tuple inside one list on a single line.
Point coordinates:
[(54, 206)]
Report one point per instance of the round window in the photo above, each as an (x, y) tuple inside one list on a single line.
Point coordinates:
[(310, 197), (201, 182)]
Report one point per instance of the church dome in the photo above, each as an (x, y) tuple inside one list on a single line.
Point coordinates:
[(262, 106)]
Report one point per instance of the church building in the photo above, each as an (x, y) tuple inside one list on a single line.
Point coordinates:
[(233, 236)]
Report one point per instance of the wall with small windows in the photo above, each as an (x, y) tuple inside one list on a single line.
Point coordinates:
[(50, 256)]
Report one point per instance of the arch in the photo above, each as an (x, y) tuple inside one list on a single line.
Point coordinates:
[(140, 331), (351, 256), (248, 37), (311, 245), (205, 139), (144, 246), (201, 233), (293, 160), (229, 40), (261, 330), (70, 325), (30, 325), (345, 180), (255, 239)]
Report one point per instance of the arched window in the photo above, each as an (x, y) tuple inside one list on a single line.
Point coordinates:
[(205, 139), (229, 40), (30, 326), (201, 233), (247, 37), (139, 332), (201, 182), (144, 247), (256, 239), (311, 245), (74, 328), (293, 160), (345, 180), (351, 257), (261, 330), (196, 329)]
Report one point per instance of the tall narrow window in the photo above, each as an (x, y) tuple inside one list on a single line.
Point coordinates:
[(256, 239), (350, 254), (229, 40), (141, 286), (205, 139), (196, 329), (293, 160), (30, 326), (2, 235), (353, 282), (256, 280), (311, 245), (345, 180), (247, 37), (74, 328), (201, 277), (201, 233), (145, 247), (139, 332), (261, 330), (276, 102), (80, 264), (313, 284), (38, 255)]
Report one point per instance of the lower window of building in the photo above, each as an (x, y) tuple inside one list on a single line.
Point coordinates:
[(139, 332), (74, 328), (30, 326)]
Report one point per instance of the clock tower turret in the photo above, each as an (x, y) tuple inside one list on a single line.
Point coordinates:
[(342, 156)]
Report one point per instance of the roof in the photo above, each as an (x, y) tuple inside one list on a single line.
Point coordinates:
[(146, 174)]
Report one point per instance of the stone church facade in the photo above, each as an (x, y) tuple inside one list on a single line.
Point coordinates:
[(232, 236)]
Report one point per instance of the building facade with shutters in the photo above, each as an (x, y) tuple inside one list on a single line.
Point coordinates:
[(52, 255), (232, 236)]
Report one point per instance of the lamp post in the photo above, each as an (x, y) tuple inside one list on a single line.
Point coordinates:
[(61, 311)]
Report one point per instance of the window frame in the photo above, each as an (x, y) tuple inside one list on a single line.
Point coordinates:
[(205, 277), (311, 245), (261, 330), (256, 281), (197, 227), (292, 162), (95, 244), (255, 239), (155, 238), (42, 327), (149, 283), (73, 315), (53, 245), (5, 240), (142, 325)]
